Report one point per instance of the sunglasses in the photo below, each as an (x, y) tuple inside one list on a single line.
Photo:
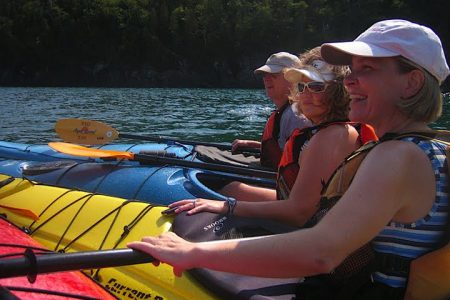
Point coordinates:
[(312, 86)]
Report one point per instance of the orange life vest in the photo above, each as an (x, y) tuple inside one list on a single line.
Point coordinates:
[(288, 167), (270, 149)]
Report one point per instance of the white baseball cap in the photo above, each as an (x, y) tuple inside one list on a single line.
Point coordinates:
[(318, 70), (277, 62), (390, 38)]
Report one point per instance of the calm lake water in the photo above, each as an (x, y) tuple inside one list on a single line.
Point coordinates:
[(28, 115)]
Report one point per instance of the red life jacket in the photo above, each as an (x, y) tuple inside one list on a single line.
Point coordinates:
[(270, 149), (288, 167)]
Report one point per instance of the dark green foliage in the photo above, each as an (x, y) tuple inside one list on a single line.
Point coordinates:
[(127, 42)]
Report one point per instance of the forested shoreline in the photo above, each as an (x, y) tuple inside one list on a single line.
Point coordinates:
[(180, 43)]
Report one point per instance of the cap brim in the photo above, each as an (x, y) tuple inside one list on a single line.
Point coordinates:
[(341, 53), (294, 75), (269, 69)]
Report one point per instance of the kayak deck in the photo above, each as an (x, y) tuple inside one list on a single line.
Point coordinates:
[(153, 183), (73, 221)]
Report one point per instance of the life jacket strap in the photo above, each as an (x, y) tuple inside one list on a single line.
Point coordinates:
[(393, 265)]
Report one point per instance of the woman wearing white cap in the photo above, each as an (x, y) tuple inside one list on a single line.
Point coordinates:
[(394, 194), (319, 93)]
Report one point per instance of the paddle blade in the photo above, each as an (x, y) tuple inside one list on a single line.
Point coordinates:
[(78, 150), (85, 131), (22, 211)]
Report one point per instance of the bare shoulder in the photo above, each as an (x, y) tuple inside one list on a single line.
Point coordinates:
[(337, 132), (398, 151), (330, 146), (338, 135), (397, 158), (394, 182), (403, 174), (339, 128)]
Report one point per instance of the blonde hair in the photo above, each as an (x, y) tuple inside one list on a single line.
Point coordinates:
[(335, 95), (426, 104)]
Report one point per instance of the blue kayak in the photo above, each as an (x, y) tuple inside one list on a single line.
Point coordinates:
[(154, 183)]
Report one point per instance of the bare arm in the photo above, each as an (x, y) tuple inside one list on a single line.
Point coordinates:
[(403, 192), (246, 192), (236, 144), (386, 187), (325, 151), (238, 190)]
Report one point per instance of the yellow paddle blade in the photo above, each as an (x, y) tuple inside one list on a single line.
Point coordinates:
[(85, 131), (22, 211), (78, 150)]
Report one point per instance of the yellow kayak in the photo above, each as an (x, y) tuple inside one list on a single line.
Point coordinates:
[(72, 221)]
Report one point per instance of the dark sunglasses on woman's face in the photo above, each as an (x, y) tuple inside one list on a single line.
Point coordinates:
[(312, 86)]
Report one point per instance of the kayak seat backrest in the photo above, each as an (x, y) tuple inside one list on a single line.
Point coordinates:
[(209, 227)]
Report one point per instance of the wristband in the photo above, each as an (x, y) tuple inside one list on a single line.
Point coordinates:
[(231, 205)]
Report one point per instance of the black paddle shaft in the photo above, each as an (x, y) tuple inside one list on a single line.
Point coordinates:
[(186, 142), (30, 264), (146, 158)]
